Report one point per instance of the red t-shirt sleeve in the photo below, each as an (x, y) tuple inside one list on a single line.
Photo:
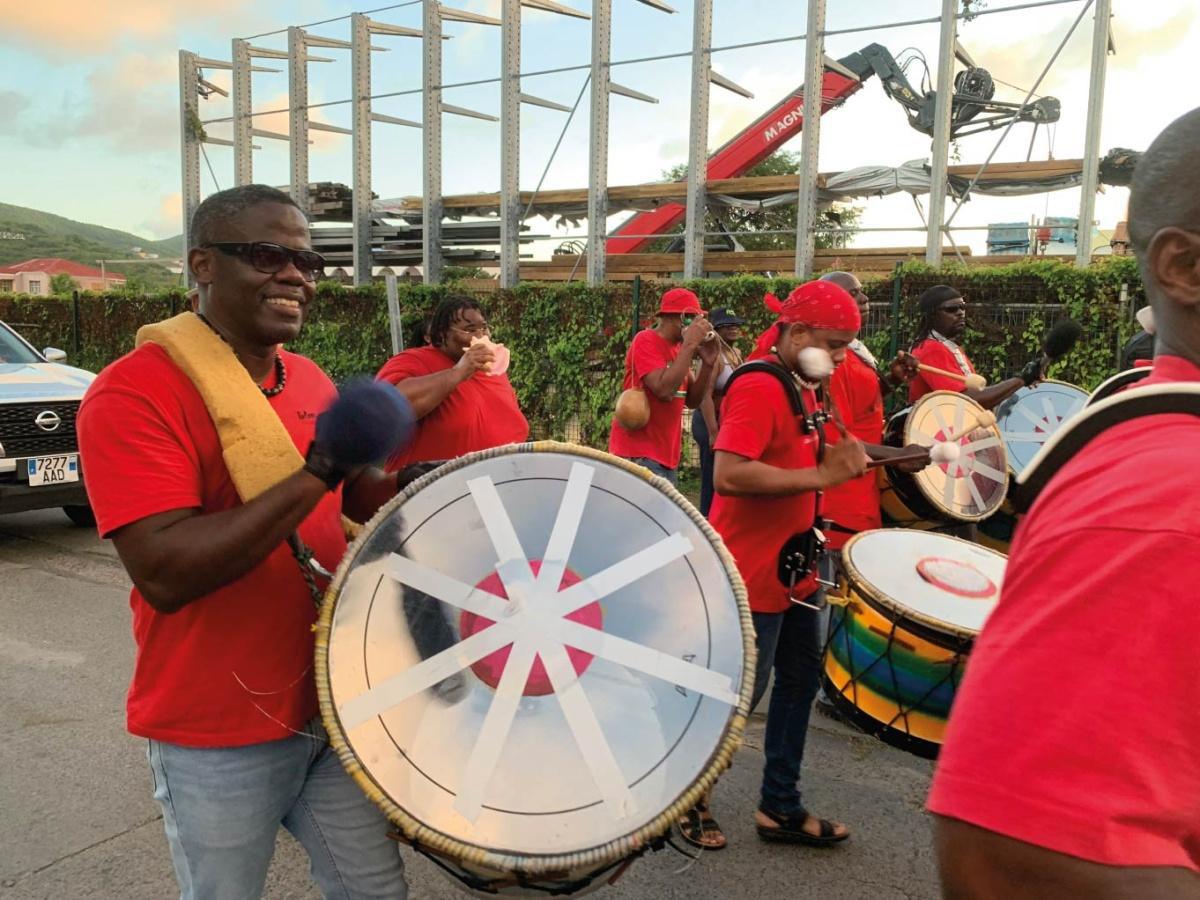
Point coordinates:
[(1076, 727), (649, 354), (932, 353), (403, 365), (747, 417), (134, 463)]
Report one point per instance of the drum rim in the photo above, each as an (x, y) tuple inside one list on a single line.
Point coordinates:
[(870, 592), (936, 502), (1013, 473), (629, 845)]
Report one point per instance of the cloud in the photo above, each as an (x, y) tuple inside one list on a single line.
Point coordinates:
[(131, 103), (85, 27), (168, 219), (12, 104)]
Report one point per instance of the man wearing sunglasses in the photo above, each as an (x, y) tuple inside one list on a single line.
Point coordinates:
[(223, 688), (943, 323), (659, 362)]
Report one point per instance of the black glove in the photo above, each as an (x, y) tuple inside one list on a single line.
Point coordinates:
[(368, 422), (1033, 371)]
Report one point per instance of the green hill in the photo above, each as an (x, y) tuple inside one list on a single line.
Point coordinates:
[(29, 233)]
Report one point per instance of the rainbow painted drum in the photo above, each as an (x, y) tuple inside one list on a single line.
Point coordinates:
[(900, 635)]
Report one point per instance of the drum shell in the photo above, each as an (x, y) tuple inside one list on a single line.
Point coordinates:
[(875, 657)]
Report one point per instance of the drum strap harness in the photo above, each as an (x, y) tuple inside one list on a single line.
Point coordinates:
[(801, 554)]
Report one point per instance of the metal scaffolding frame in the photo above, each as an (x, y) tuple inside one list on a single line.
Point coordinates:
[(810, 138), (299, 41)]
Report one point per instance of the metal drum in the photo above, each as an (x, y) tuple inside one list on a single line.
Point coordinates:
[(1026, 420), (535, 659), (900, 635), (967, 490)]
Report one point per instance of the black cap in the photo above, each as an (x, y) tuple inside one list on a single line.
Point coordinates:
[(721, 316), (935, 297)]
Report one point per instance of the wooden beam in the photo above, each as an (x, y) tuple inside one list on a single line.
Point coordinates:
[(749, 187)]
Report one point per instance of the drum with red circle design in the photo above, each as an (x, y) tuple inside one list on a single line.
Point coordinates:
[(902, 630), (535, 660)]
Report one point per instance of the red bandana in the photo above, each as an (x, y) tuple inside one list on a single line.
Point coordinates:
[(817, 304)]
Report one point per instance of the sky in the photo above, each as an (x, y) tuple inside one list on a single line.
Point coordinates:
[(89, 98)]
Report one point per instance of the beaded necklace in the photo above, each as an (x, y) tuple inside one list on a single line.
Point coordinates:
[(280, 369)]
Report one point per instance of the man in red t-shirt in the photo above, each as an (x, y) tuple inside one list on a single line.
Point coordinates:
[(461, 405), (222, 615), (659, 362), (767, 475), (1069, 767), (856, 390), (943, 322)]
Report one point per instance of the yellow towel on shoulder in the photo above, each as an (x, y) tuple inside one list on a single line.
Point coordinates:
[(258, 450)]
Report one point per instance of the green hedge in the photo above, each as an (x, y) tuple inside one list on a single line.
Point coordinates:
[(568, 341)]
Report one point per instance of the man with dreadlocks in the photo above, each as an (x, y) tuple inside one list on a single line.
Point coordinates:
[(943, 322), (768, 473), (461, 405)]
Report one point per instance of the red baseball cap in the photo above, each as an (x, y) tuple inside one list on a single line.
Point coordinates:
[(680, 301)]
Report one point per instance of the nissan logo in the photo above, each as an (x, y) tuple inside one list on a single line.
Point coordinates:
[(47, 420)]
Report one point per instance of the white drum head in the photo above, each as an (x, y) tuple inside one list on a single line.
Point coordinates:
[(533, 655), (1029, 417), (975, 485), (942, 581)]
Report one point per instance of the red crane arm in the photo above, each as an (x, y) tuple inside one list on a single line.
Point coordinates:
[(747, 149)]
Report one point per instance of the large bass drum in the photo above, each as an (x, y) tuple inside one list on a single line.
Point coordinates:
[(1026, 421), (967, 490), (535, 659)]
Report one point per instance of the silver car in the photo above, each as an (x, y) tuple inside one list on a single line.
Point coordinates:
[(39, 453)]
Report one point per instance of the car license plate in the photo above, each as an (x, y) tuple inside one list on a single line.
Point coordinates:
[(45, 470)]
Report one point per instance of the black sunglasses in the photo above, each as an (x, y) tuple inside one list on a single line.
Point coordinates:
[(271, 259), (953, 308)]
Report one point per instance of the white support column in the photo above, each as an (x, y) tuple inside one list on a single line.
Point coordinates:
[(1091, 141), (810, 137), (693, 234), (360, 75), (431, 203), (298, 117), (243, 122), (510, 144), (189, 143), (597, 213), (943, 106)]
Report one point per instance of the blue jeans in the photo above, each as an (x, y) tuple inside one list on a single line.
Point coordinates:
[(790, 642), (672, 475), (222, 808), (701, 436)]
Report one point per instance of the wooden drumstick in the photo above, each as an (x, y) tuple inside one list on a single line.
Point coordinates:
[(970, 380), (983, 419), (939, 453)]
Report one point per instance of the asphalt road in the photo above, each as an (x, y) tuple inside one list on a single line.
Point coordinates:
[(78, 820)]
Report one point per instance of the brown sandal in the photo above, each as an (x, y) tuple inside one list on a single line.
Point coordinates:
[(698, 826)]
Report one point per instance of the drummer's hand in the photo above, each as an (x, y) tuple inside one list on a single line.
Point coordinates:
[(915, 466), (905, 367), (696, 332), (843, 461), (476, 358)]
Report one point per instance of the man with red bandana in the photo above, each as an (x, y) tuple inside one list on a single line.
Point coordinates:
[(1069, 767), (767, 477)]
